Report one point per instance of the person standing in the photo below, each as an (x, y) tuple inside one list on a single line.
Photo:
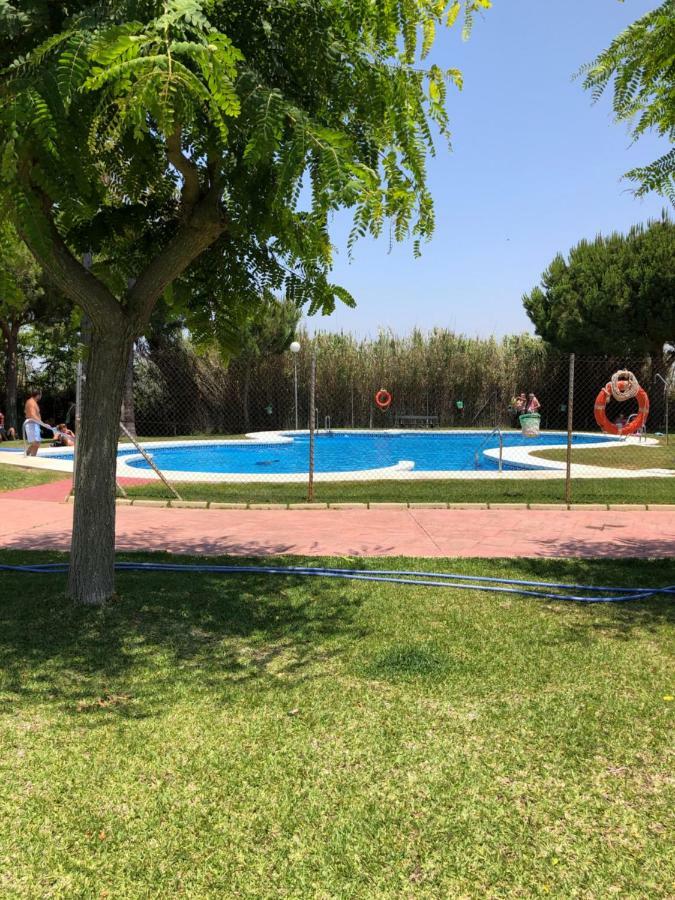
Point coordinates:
[(517, 408), (533, 405), (32, 413)]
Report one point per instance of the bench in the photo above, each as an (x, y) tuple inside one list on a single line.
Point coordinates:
[(427, 421)]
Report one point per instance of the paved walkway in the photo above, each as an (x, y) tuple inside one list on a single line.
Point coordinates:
[(44, 524)]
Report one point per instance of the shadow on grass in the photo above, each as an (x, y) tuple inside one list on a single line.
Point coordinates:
[(212, 636), (618, 619), (166, 634)]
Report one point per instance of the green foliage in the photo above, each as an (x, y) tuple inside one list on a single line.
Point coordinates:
[(27, 299), (270, 330), (119, 117), (50, 349), (612, 295), (640, 63), (20, 288)]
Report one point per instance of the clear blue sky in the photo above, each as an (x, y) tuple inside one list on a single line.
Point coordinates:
[(535, 167)]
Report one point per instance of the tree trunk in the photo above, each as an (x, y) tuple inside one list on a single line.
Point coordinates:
[(92, 554), (11, 377), (128, 410)]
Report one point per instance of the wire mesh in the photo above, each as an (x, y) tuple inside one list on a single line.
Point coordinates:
[(484, 422), (460, 426)]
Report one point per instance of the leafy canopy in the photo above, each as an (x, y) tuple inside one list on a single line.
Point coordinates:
[(157, 133), (612, 295), (640, 62), (20, 279)]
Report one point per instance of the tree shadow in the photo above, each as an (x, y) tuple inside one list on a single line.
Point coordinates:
[(167, 633), (182, 537), (620, 620), (606, 542)]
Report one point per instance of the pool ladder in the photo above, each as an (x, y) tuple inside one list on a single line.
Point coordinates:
[(494, 431), (326, 423)]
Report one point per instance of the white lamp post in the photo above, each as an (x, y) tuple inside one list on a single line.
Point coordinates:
[(295, 349)]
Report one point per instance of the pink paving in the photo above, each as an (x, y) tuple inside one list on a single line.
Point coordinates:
[(43, 524), (54, 491), (57, 491)]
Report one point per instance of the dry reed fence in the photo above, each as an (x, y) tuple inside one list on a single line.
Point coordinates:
[(462, 381)]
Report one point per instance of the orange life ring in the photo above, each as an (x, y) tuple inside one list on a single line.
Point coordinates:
[(609, 427), (383, 399)]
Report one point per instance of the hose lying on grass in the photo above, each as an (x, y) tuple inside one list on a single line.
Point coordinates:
[(543, 590)]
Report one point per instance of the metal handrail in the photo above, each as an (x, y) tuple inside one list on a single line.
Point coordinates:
[(501, 448), (326, 425), (642, 430), (36, 422)]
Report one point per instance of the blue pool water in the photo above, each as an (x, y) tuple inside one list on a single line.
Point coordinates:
[(345, 452)]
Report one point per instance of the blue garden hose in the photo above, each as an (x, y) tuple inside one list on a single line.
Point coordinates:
[(588, 593)]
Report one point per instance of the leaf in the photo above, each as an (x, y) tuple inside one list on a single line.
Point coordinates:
[(456, 77), (453, 13)]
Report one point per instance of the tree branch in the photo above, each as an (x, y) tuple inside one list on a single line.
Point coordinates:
[(69, 275), (188, 169), (203, 228)]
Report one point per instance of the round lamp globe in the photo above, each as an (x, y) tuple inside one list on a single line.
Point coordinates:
[(295, 347)]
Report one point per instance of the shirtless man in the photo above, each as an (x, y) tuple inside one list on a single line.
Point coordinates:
[(32, 411)]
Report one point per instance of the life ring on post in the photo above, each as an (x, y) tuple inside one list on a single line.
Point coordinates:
[(383, 399), (623, 386)]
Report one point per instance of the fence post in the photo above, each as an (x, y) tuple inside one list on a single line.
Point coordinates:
[(312, 422), (570, 425)]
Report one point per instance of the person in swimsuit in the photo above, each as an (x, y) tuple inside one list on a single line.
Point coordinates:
[(32, 413)]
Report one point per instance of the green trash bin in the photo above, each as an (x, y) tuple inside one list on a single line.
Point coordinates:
[(529, 423)]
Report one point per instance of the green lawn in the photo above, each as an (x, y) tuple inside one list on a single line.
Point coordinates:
[(186, 437), (255, 737), (629, 456), (12, 478), (584, 490)]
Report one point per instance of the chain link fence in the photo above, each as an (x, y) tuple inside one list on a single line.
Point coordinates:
[(400, 427), (436, 419)]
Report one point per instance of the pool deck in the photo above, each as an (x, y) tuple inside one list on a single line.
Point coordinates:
[(36, 518)]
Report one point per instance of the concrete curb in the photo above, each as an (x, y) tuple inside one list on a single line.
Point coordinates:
[(539, 507), (348, 505)]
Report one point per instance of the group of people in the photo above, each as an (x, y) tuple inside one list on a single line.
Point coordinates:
[(523, 403), (62, 436)]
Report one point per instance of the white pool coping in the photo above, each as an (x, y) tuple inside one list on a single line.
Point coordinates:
[(402, 470)]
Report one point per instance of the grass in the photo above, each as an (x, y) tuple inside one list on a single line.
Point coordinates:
[(260, 737), (204, 436), (629, 456), (12, 477), (584, 490)]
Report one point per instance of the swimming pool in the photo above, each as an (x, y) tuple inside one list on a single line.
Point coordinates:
[(348, 452), (366, 453)]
